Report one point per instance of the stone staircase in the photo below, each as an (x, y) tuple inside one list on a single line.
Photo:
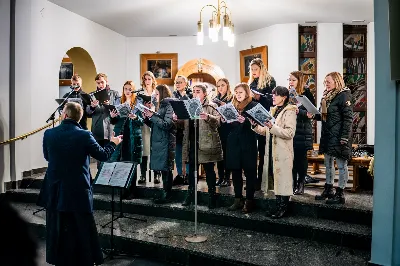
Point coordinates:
[(313, 234)]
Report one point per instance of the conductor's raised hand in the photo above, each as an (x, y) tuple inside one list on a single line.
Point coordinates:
[(116, 139), (175, 117), (113, 113), (241, 119), (94, 103)]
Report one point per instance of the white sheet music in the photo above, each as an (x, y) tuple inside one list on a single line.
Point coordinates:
[(293, 96), (228, 112), (193, 107), (105, 174), (308, 105), (260, 114), (121, 174), (123, 109)]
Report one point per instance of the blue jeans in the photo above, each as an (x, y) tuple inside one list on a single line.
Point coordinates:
[(178, 159), (330, 171)]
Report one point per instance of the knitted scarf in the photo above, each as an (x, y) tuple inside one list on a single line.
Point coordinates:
[(326, 100)]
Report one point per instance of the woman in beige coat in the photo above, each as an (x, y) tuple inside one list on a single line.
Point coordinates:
[(280, 145), (209, 147)]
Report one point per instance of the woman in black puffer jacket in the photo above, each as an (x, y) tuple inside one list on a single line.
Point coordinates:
[(163, 139), (336, 135), (303, 139)]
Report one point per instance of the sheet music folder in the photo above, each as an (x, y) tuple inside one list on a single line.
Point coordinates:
[(180, 109), (115, 174), (101, 95)]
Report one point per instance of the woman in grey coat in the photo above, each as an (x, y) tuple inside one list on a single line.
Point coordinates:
[(163, 140)]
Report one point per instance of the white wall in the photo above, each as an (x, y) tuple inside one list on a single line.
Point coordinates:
[(371, 84), (4, 91), (44, 33), (187, 49), (329, 56), (283, 49)]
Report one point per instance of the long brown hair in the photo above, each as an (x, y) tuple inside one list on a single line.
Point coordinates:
[(265, 78), (164, 92), (229, 94), (241, 105), (153, 79), (133, 97), (301, 81)]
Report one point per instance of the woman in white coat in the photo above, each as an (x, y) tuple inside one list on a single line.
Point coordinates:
[(280, 146)]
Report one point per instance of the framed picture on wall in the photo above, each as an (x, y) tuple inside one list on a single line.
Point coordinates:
[(66, 72), (163, 66), (247, 55)]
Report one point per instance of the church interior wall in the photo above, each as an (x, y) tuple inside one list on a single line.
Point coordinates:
[(45, 32)]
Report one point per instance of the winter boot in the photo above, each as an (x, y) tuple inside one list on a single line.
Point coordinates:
[(327, 193)]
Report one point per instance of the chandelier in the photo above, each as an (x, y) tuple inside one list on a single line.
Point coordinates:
[(215, 25)]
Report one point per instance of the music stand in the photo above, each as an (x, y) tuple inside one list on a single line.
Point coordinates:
[(116, 175), (183, 113)]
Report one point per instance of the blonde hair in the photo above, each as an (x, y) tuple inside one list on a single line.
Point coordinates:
[(180, 76), (153, 79), (133, 97), (300, 81), (338, 79), (246, 89), (229, 94), (76, 77), (265, 78)]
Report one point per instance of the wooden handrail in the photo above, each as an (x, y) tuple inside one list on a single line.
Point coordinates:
[(28, 134)]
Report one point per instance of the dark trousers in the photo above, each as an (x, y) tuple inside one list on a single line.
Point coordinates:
[(223, 173), (167, 181), (211, 177), (300, 165), (251, 179), (143, 166), (261, 141)]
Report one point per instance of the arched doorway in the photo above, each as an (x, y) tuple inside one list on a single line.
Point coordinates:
[(77, 61), (202, 71)]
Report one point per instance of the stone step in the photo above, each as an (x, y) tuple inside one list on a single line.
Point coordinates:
[(299, 226), (357, 210), (164, 239)]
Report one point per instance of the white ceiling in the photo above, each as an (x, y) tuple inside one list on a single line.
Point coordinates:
[(159, 18)]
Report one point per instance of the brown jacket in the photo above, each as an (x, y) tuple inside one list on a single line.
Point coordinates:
[(210, 148)]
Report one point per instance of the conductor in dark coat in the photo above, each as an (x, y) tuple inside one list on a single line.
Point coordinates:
[(71, 236)]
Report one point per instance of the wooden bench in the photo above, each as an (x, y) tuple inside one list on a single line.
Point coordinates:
[(356, 162)]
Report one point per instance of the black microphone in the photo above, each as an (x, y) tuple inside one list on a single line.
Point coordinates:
[(139, 90), (74, 87)]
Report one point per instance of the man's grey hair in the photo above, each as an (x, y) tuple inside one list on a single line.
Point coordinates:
[(73, 111)]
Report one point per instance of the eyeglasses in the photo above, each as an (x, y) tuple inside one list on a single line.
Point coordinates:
[(178, 82)]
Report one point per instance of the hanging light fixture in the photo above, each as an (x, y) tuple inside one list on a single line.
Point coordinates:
[(221, 11)]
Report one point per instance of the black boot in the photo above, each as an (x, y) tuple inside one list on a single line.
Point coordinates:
[(294, 183), (220, 181), (142, 179), (178, 180), (338, 198), (299, 186), (282, 207), (237, 205), (226, 183), (212, 198), (189, 198), (157, 178), (327, 193), (166, 193)]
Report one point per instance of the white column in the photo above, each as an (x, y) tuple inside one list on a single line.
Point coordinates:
[(4, 91), (371, 84), (329, 56)]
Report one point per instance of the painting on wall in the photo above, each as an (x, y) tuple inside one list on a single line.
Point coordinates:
[(66, 72), (307, 43), (354, 42), (247, 55), (163, 66)]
